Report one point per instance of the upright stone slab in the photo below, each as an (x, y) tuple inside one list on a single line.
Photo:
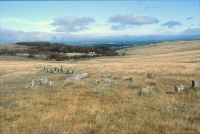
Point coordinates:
[(194, 84), (32, 84), (48, 70), (62, 69), (59, 70), (55, 70), (50, 83), (44, 68)]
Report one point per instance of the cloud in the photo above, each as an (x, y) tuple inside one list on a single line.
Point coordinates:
[(22, 21), (26, 24), (192, 31), (70, 24), (189, 18), (171, 24), (9, 36), (12, 36), (123, 21), (153, 7)]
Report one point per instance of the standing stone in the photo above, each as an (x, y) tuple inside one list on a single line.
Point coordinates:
[(49, 83), (59, 70), (32, 83), (62, 69), (179, 88), (194, 84), (53, 70), (44, 68)]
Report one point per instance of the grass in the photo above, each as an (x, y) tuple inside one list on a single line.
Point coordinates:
[(78, 106)]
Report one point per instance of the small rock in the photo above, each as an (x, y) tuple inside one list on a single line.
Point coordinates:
[(130, 79), (179, 88), (150, 75), (70, 71)]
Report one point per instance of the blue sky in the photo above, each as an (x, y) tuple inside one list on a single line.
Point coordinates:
[(91, 19)]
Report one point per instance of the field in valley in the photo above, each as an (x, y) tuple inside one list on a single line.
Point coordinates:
[(83, 106)]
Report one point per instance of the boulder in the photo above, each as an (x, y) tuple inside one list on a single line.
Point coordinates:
[(104, 83), (145, 90), (76, 76), (106, 80), (43, 81)]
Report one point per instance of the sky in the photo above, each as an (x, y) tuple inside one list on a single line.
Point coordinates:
[(62, 20)]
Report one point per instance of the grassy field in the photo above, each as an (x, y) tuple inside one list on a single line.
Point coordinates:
[(82, 107)]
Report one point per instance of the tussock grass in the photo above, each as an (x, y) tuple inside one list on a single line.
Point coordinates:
[(79, 107)]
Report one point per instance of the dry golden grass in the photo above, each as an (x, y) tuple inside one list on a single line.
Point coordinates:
[(78, 107)]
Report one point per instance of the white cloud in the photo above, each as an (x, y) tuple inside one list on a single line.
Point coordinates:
[(27, 25), (124, 21), (7, 35), (171, 24), (11, 36), (71, 24)]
